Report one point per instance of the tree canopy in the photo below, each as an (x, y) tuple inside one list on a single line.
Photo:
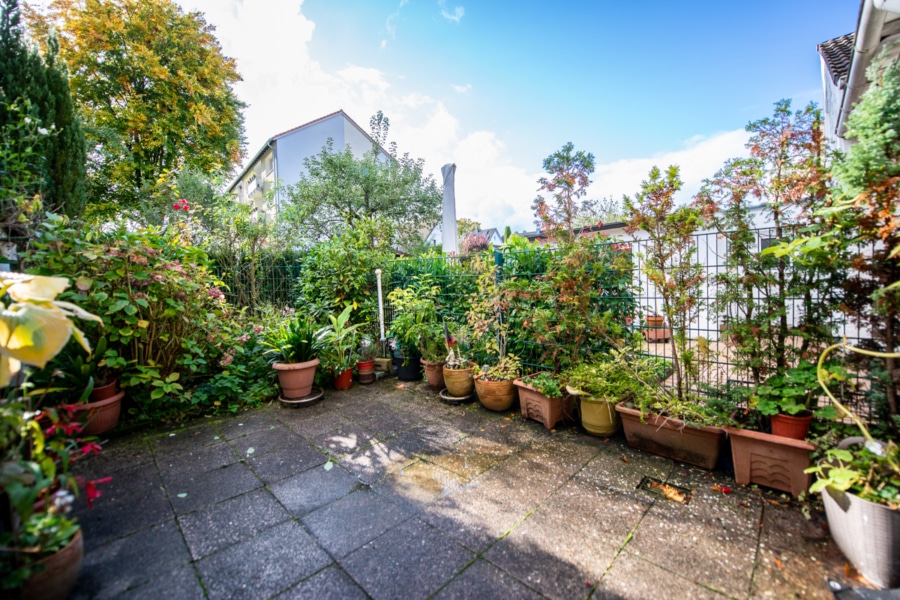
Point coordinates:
[(569, 178), (34, 92), (154, 89), (340, 190)]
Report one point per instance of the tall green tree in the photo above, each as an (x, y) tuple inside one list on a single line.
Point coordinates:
[(40, 86), (340, 190), (569, 176), (868, 220), (154, 89), (779, 309)]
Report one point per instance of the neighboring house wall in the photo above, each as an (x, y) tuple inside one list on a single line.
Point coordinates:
[(281, 159)]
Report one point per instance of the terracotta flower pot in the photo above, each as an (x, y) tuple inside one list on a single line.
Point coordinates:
[(100, 417), (296, 379), (104, 392), (60, 572), (365, 371), (460, 382), (792, 426), (770, 460), (344, 379), (496, 395), (672, 438), (541, 408), (434, 374)]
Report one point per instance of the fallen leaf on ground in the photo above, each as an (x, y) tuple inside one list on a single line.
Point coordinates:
[(625, 459), (721, 488), (400, 386), (669, 492), (778, 563)]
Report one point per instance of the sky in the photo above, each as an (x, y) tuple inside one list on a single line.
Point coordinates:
[(496, 86)]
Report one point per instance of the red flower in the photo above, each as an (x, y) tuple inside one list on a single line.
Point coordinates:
[(92, 492)]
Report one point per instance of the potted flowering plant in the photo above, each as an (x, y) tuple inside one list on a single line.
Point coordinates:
[(458, 370), (44, 544)]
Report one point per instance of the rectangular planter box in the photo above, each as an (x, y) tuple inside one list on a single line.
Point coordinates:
[(539, 407), (671, 438), (770, 460)]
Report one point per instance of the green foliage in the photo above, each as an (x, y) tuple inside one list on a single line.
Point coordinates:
[(544, 383), (340, 190), (670, 264), (617, 377), (341, 272), (162, 309), (796, 390), (417, 321), (865, 224), (487, 316), (40, 87), (340, 349), (154, 89), (20, 165), (579, 305), (298, 340), (871, 471), (569, 178), (787, 175)]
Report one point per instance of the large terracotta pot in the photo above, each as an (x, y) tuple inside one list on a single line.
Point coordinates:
[(59, 574), (100, 417), (541, 408), (434, 374), (770, 460), (296, 379), (792, 426), (496, 395), (105, 391), (460, 382), (344, 379), (672, 438)]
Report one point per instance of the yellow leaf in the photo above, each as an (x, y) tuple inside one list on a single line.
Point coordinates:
[(33, 334), (34, 287), (143, 324)]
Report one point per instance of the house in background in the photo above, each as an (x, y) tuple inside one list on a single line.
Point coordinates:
[(605, 230), (435, 237), (845, 60), (281, 158)]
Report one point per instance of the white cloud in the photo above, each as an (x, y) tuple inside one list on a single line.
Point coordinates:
[(700, 158), (462, 89), (455, 16)]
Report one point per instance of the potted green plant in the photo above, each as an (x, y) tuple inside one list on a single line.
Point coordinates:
[(860, 485), (43, 545), (340, 348), (416, 325), (790, 399), (600, 384), (293, 350), (542, 398), (490, 328), (459, 371)]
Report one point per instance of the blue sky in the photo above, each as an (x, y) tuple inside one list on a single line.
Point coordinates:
[(497, 86)]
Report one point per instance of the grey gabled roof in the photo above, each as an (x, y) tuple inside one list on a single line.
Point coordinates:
[(837, 55)]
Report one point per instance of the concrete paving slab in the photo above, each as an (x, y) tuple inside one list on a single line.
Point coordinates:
[(348, 439), (388, 424), (113, 520), (183, 582), (191, 490), (245, 423), (265, 565), (372, 463), (286, 462), (274, 437), (354, 520), (188, 439), (314, 427), (331, 583), (411, 560), (419, 483), (232, 521), (176, 466), (633, 578), (483, 580), (314, 488), (131, 561)]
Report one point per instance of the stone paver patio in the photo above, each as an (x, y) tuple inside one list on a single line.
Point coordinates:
[(383, 491)]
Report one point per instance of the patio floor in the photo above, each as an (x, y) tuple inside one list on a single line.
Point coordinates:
[(383, 491)]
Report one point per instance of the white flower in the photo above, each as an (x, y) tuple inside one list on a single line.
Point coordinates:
[(43, 130)]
